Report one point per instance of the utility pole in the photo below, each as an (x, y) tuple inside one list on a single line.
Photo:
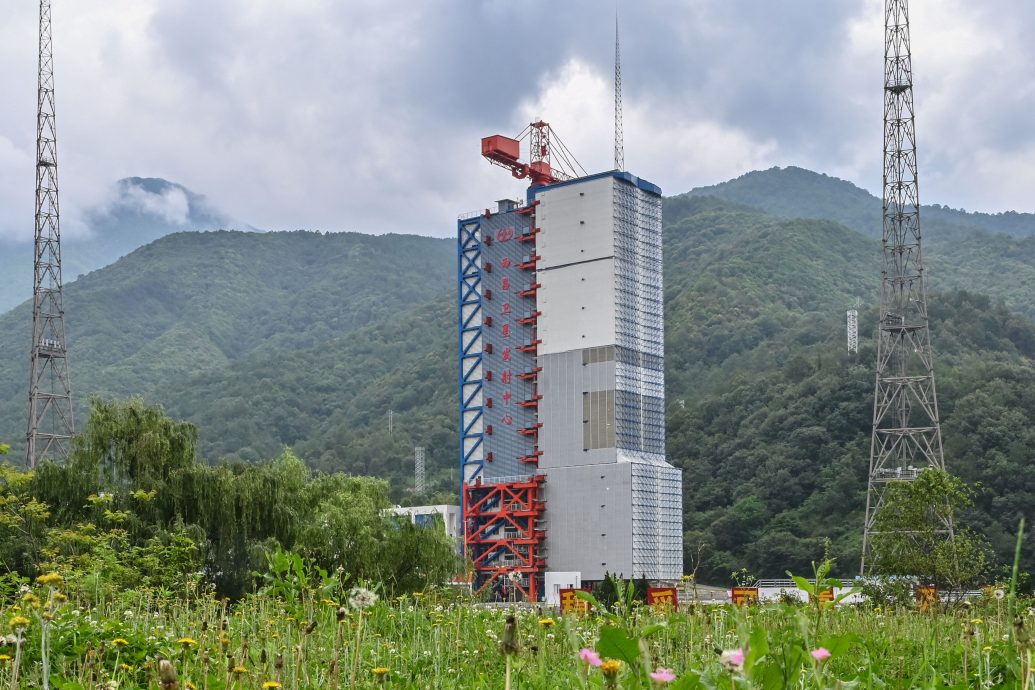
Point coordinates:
[(906, 430), (51, 425)]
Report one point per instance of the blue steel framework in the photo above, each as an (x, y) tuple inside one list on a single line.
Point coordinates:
[(469, 318)]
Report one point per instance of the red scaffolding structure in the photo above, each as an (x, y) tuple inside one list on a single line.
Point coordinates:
[(505, 533)]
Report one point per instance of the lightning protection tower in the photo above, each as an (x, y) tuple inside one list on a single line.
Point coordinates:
[(418, 470), (853, 331), (619, 143), (906, 431), (50, 396)]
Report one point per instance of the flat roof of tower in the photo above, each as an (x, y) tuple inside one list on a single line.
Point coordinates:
[(639, 182)]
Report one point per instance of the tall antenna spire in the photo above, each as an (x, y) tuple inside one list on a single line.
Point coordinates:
[(619, 144), (907, 435), (50, 396)]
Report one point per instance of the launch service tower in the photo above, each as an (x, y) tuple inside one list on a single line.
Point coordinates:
[(562, 415)]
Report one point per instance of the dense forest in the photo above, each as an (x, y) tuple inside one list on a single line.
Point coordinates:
[(307, 341)]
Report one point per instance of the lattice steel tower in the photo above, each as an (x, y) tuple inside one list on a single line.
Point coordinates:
[(50, 396), (906, 432)]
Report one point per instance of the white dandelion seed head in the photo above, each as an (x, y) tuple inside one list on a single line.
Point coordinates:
[(360, 598)]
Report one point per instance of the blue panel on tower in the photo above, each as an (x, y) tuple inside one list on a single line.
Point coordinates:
[(508, 344)]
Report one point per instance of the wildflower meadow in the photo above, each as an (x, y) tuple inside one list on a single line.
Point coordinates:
[(327, 634)]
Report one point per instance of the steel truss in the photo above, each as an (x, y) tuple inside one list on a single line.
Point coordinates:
[(50, 421), (906, 430)]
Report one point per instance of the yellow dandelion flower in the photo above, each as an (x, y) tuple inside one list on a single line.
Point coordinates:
[(125, 667), (187, 641), (976, 621), (240, 670), (546, 622), (986, 648), (418, 595), (120, 642), (52, 579), (191, 686), (610, 667), (270, 684), (19, 622), (380, 671), (5, 657)]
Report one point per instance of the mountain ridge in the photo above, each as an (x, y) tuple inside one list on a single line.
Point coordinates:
[(308, 340)]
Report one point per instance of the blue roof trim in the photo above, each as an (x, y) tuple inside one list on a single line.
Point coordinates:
[(639, 182)]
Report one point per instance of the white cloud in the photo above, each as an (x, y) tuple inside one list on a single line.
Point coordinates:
[(661, 143), (362, 115)]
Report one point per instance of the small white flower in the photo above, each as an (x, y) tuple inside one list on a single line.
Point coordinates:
[(999, 594)]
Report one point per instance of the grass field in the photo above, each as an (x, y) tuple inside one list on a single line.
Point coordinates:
[(338, 638)]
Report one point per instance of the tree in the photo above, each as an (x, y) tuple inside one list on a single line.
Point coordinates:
[(917, 534)]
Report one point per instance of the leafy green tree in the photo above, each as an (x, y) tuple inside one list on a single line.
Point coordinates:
[(913, 528)]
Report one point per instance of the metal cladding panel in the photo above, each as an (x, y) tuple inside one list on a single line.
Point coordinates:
[(640, 333), (575, 222), (564, 382), (639, 296), (589, 520), (502, 308), (578, 306), (657, 520)]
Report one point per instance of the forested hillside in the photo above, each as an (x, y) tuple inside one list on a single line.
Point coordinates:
[(798, 193), (139, 210), (192, 303), (307, 341)]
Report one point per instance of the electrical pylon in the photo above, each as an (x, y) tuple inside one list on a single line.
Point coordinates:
[(619, 143), (50, 396), (906, 432)]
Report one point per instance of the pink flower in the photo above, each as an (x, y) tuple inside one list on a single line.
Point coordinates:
[(733, 658), (663, 675), (590, 657), (820, 654)]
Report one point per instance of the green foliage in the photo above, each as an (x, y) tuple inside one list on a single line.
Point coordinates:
[(912, 534), (134, 508)]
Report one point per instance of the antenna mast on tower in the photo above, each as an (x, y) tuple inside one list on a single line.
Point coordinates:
[(906, 432), (50, 395), (619, 143)]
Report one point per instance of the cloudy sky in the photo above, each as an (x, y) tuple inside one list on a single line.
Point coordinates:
[(366, 115)]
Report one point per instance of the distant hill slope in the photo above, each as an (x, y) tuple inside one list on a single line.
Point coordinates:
[(308, 340), (140, 210), (193, 302), (798, 193)]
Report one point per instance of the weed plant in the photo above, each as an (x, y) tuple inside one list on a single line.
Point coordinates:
[(329, 636)]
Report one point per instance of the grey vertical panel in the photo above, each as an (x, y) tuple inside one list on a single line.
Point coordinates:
[(589, 519)]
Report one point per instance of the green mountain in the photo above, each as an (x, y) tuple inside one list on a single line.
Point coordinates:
[(798, 193), (311, 341), (139, 210), (191, 303)]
